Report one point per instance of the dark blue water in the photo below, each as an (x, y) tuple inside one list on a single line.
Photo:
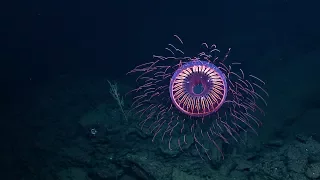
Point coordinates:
[(56, 58)]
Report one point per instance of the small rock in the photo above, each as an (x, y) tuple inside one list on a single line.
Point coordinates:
[(313, 171)]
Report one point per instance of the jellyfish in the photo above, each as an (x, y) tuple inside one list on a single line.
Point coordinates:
[(201, 100)]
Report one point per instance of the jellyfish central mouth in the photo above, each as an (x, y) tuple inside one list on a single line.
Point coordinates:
[(198, 88), (198, 84)]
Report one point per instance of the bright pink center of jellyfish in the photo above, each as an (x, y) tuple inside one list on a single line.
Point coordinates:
[(198, 88)]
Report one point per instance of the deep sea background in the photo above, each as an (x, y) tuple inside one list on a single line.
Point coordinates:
[(55, 58)]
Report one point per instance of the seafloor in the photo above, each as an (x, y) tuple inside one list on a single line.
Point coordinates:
[(58, 142)]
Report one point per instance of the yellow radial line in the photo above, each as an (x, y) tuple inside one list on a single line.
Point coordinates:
[(218, 83), (202, 68), (218, 87), (194, 69), (180, 82), (214, 76), (184, 96), (203, 103), (185, 72), (182, 76), (206, 70), (209, 101), (211, 71), (197, 104), (177, 86), (188, 71), (193, 103), (185, 102), (198, 68), (217, 96), (215, 80), (208, 104), (179, 94), (188, 102), (177, 89), (216, 91), (213, 98)]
